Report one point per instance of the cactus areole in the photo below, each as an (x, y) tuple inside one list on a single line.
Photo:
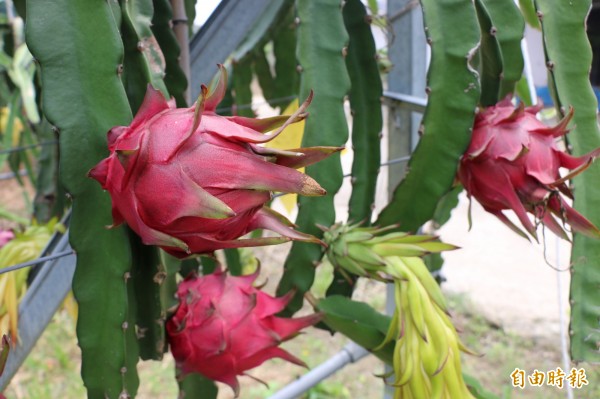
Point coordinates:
[(191, 181), (224, 327), (513, 162)]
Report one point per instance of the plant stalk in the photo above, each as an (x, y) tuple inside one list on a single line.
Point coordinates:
[(180, 27)]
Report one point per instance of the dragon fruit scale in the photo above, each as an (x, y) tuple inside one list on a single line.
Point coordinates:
[(513, 162), (191, 181), (224, 326)]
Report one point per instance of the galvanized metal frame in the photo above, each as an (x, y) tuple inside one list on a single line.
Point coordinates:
[(43, 298), (226, 28)]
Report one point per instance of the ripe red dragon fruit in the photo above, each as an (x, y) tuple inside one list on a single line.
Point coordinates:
[(513, 162), (224, 327), (192, 181)]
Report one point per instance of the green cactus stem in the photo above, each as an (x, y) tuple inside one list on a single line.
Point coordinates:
[(453, 34), (322, 40), (568, 59), (83, 97)]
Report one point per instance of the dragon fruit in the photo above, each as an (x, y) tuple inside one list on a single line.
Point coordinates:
[(224, 327), (191, 181), (5, 237), (513, 162)]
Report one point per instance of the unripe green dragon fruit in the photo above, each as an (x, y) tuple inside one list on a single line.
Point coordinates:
[(192, 181), (513, 162), (224, 326), (426, 358), (362, 251)]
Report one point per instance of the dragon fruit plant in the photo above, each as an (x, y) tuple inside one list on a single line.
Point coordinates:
[(513, 162), (225, 326), (191, 181), (426, 358)]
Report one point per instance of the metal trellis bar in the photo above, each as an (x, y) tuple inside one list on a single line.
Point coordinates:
[(350, 353), (12, 175), (37, 261), (28, 147), (39, 304)]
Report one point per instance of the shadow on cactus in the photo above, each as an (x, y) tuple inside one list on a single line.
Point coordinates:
[(191, 181), (513, 162)]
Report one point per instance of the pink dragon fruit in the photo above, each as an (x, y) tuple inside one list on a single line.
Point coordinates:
[(513, 162), (5, 237), (192, 181), (224, 327)]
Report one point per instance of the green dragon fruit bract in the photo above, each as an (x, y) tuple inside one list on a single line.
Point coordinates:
[(513, 162), (224, 327), (191, 181)]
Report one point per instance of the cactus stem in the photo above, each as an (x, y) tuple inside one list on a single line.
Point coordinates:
[(160, 276), (140, 332)]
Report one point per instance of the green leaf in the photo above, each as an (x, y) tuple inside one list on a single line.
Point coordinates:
[(20, 7), (453, 88), (168, 290), (144, 62), (5, 214), (273, 20), (434, 263), (509, 28), (7, 139), (287, 79), (529, 13), (4, 351), (321, 40), (196, 386), (522, 90), (21, 73), (490, 56), (367, 121), (49, 195), (234, 264), (476, 389), (190, 12), (147, 271), (569, 57), (359, 322), (5, 60), (241, 83), (367, 327), (24, 158), (147, 276), (373, 6), (445, 207), (79, 52), (365, 105), (259, 33), (174, 79), (262, 70)]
